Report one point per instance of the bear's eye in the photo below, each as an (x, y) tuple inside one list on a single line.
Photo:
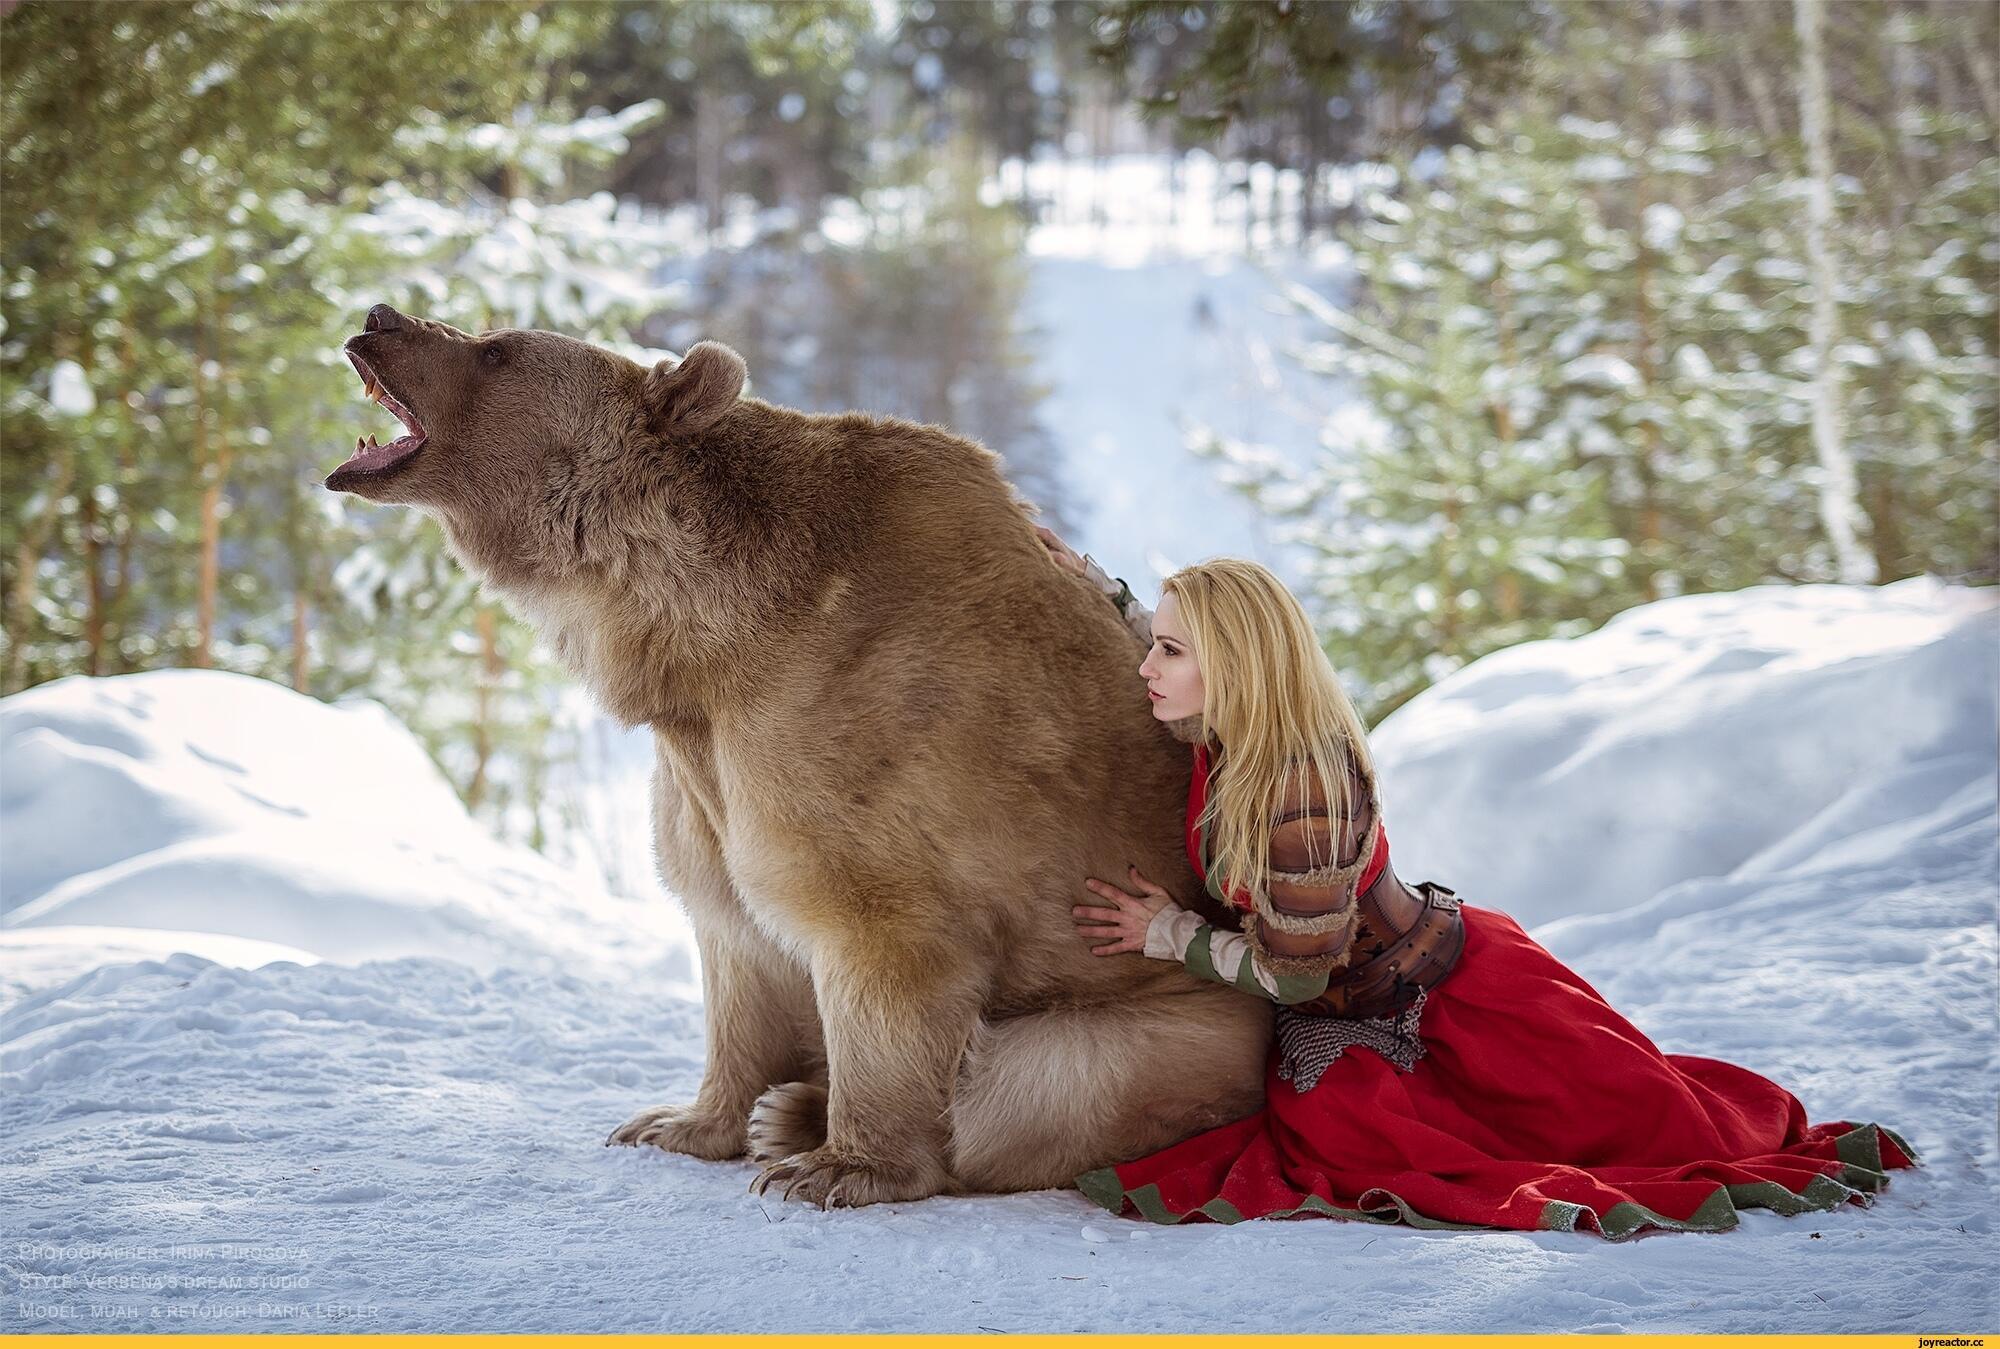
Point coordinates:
[(493, 355)]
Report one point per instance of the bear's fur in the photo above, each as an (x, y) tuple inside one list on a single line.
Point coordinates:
[(892, 739)]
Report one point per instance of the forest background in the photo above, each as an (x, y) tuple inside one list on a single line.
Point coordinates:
[(1636, 299)]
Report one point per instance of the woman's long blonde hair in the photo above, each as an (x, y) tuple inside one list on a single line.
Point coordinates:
[(1271, 699)]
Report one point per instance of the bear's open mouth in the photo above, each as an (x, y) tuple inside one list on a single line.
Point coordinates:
[(368, 456)]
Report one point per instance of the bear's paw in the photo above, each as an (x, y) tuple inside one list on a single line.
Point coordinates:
[(789, 1118), (684, 1128), (832, 1177)]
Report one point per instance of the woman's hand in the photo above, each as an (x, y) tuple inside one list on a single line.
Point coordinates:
[(1125, 922), (1060, 553)]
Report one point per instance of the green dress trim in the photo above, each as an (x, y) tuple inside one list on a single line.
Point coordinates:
[(1292, 988), (1859, 1151)]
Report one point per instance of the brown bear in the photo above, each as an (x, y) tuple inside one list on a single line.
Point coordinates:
[(892, 742)]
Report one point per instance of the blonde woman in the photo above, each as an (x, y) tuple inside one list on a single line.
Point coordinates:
[(1433, 1064)]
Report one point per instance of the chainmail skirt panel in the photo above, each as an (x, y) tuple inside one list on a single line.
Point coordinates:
[(1308, 1045)]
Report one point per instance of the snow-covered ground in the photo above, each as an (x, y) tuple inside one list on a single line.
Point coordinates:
[(288, 1044)]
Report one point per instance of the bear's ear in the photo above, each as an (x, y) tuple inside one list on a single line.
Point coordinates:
[(684, 396)]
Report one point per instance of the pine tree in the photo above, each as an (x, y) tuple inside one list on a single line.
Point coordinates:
[(145, 146), (1486, 484), (1638, 305)]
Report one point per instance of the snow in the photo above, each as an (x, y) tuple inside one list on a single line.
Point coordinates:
[(69, 390), (1701, 736), (1130, 356), (218, 804), (1141, 327), (1761, 824)]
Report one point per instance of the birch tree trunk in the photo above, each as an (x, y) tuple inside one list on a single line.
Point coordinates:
[(93, 577), (1839, 504)]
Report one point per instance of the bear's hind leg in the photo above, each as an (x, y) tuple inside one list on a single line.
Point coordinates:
[(1045, 1097), (787, 1119)]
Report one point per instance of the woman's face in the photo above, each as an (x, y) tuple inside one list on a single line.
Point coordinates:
[(1172, 675)]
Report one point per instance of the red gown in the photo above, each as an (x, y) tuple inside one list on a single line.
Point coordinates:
[(1534, 1106)]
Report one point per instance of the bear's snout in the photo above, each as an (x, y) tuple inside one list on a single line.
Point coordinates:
[(382, 319)]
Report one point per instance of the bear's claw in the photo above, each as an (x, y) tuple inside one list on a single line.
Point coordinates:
[(830, 1179), (685, 1129)]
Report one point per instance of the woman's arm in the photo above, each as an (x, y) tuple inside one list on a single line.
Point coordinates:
[(1303, 920), (1226, 957), (1150, 923), (1136, 615), (1308, 913)]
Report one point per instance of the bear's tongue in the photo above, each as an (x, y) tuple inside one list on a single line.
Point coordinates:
[(369, 455)]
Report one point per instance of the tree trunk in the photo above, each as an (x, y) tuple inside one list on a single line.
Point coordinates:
[(1100, 153), (1447, 550), (36, 533), (128, 474), (1897, 196), (27, 564), (1837, 492), (1503, 428), (93, 547), (1722, 97), (1769, 120), (1650, 545), (1903, 151), (93, 578), (301, 667), (1884, 532), (490, 669), (212, 455), (708, 145), (1679, 76), (1309, 218), (1979, 61)]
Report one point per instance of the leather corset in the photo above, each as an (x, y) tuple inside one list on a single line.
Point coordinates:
[(1407, 940)]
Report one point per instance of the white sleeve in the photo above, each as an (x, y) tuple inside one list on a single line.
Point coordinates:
[(1136, 615), (1170, 931), (1223, 956)]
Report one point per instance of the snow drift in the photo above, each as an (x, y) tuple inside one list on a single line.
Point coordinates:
[(219, 805), (1734, 735)]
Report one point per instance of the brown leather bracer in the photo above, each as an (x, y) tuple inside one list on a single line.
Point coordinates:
[(1407, 940)]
